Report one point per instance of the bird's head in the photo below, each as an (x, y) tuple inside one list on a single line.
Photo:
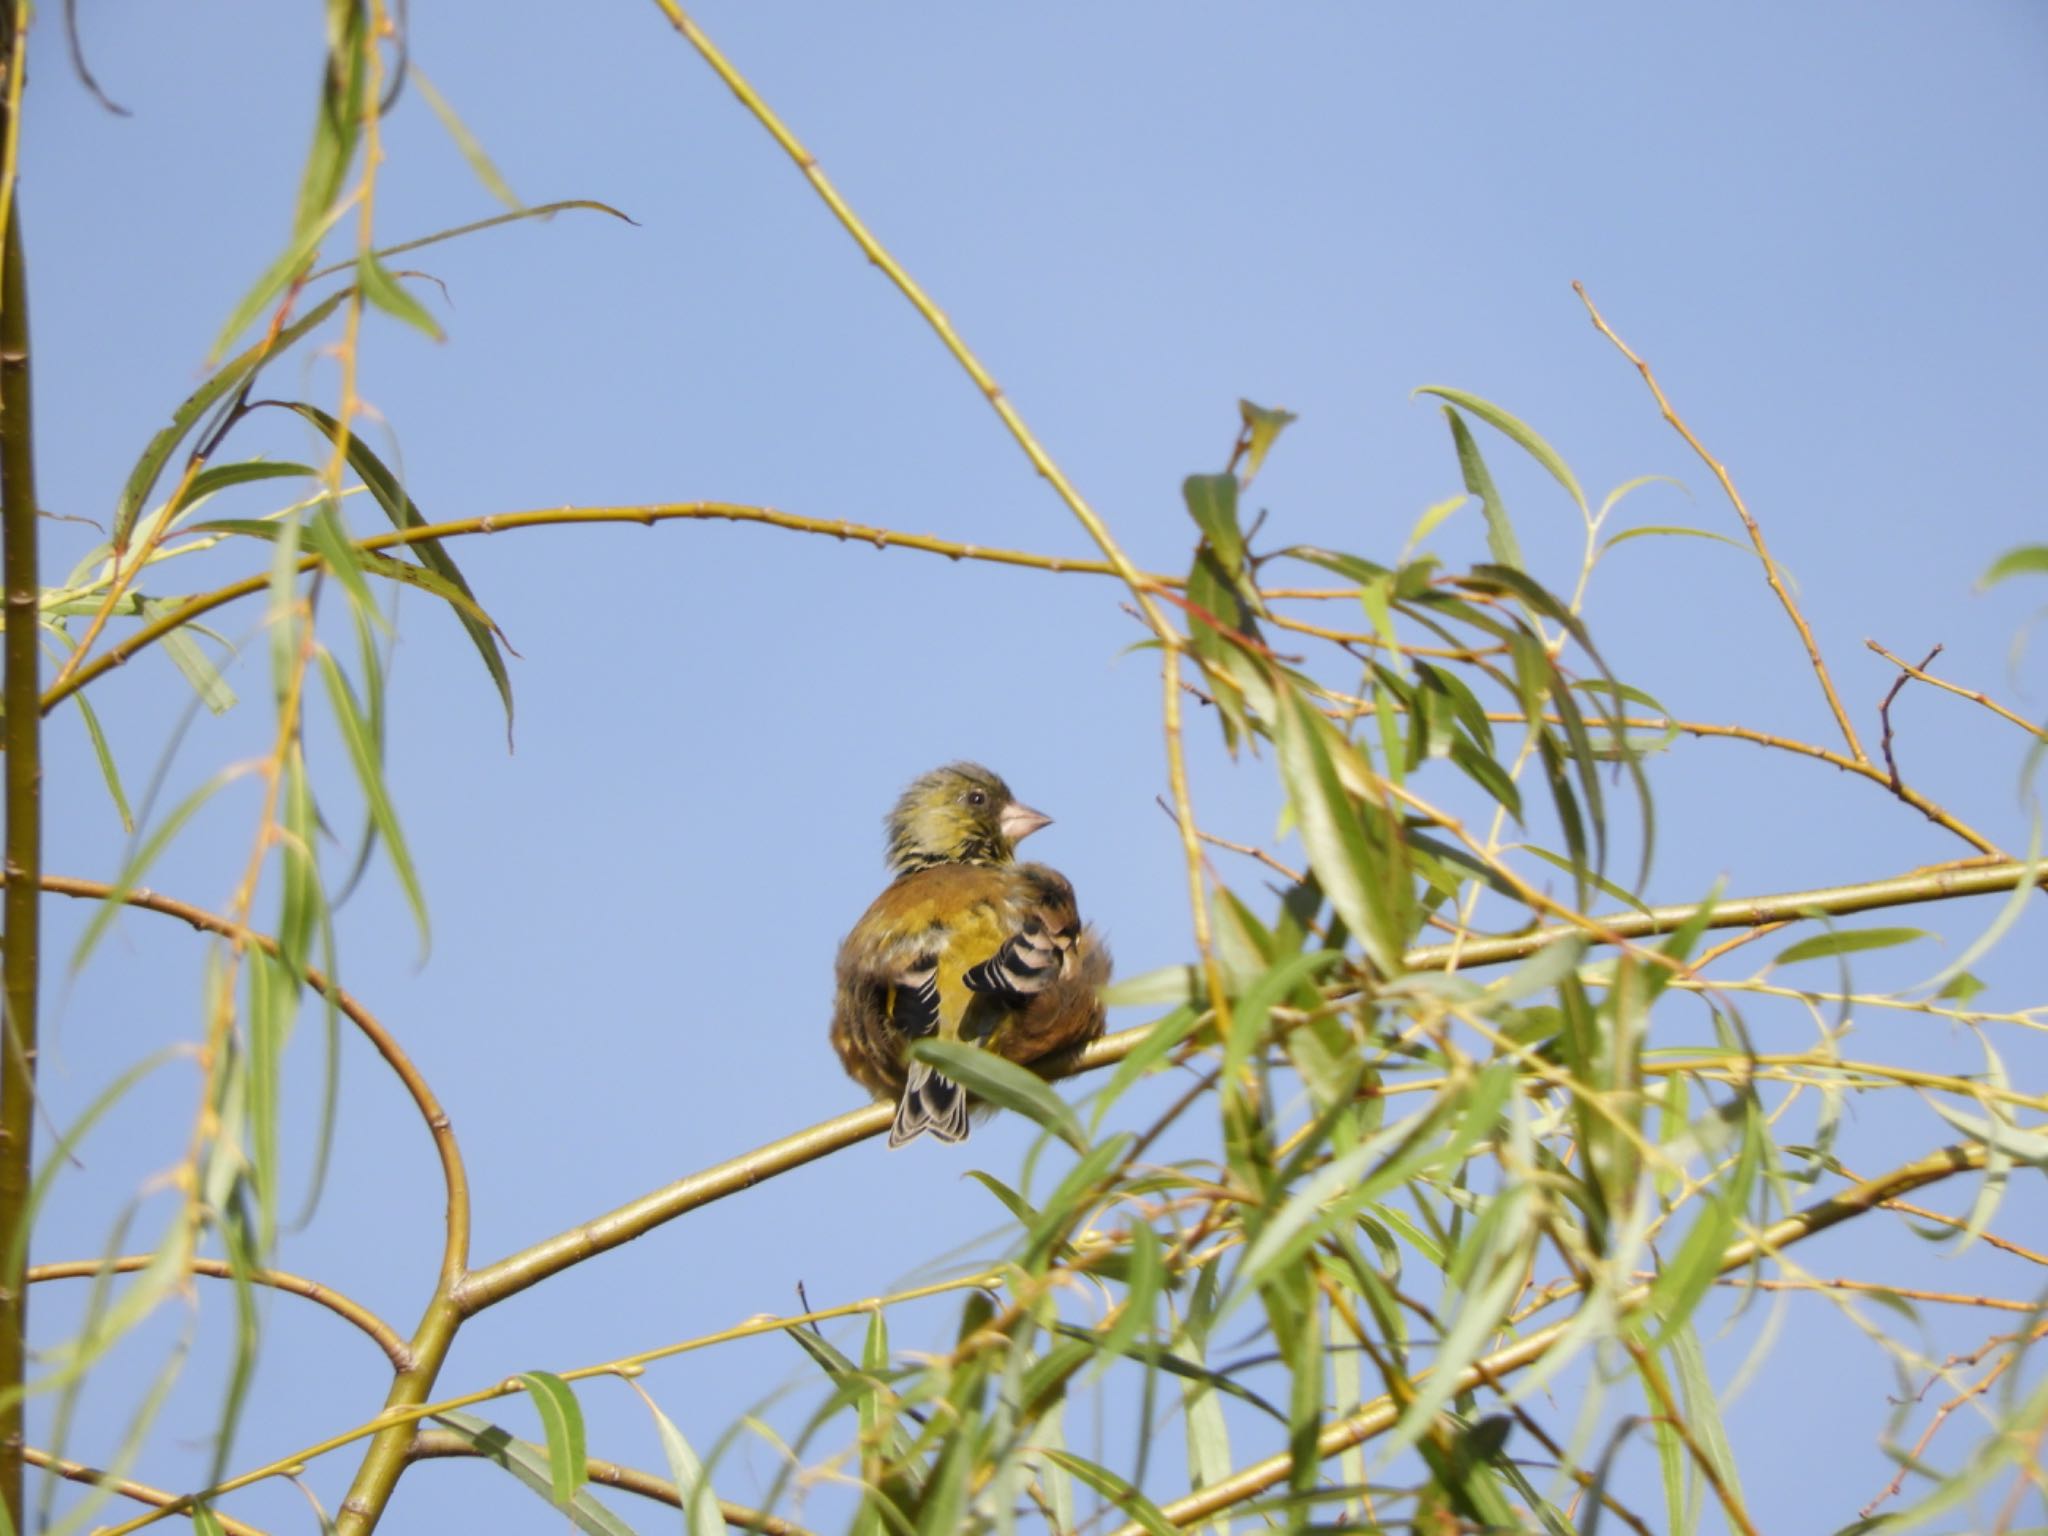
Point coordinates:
[(958, 814)]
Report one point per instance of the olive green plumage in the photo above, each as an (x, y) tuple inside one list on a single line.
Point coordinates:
[(965, 944)]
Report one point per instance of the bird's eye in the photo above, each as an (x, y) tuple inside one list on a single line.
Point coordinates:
[(977, 797)]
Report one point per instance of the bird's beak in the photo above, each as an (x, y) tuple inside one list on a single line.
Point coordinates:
[(1020, 821)]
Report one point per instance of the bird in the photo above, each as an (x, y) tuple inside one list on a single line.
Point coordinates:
[(967, 944)]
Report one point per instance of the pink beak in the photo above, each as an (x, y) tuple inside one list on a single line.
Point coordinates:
[(1018, 822)]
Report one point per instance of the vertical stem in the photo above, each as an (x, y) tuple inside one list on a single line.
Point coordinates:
[(20, 685)]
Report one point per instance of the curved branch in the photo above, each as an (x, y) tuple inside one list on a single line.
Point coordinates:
[(443, 1444), (492, 1283), (1382, 1414), (455, 1254), (142, 1493), (646, 517), (385, 1336)]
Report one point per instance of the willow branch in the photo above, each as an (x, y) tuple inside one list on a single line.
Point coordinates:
[(21, 912), (382, 1333), (142, 1493), (1382, 1414), (643, 516), (1141, 588), (444, 1444), (1749, 523), (486, 1286), (455, 1180)]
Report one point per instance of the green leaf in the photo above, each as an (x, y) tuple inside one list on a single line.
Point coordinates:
[(472, 151), (1500, 532), (1212, 501), (188, 658), (1004, 1084), (701, 1513), (382, 289), (108, 770), (1961, 988), (355, 734), (296, 258), (561, 1419), (391, 496), (1169, 984), (1848, 941), (2027, 560), (1116, 1490), (533, 1467), (1264, 427), (230, 376), (1340, 849), (1522, 435)]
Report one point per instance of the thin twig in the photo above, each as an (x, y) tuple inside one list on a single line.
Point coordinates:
[(445, 1444), (1884, 714), (1962, 693), (142, 1493), (1756, 534)]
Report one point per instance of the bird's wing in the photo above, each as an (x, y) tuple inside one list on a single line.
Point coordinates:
[(1038, 948)]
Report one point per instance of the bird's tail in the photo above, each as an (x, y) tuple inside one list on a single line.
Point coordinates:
[(931, 1102)]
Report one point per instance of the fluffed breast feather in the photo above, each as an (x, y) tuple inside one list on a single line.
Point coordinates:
[(994, 956)]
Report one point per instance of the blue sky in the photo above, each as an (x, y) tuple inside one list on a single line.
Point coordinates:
[(1821, 224)]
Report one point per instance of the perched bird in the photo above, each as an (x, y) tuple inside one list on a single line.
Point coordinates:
[(965, 944)]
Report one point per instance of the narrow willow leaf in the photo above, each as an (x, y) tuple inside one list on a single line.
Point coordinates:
[(218, 477), (296, 258), (1683, 1281), (1339, 848), (1161, 1038), (1263, 427), (1847, 941), (109, 772), (228, 377), (188, 658), (561, 1419), (205, 1522), (1004, 1084), (1500, 532), (701, 1513), (1356, 1178), (370, 774), (330, 541), (2027, 560), (1212, 502), (533, 1466), (1255, 1005), (1703, 1409), (1116, 1490), (384, 290), (1173, 984), (1606, 887), (391, 496), (139, 863), (466, 143), (2021, 1146), (1541, 971), (1674, 531), (1431, 519), (1070, 1199), (1011, 1201), (1520, 432), (1142, 1282)]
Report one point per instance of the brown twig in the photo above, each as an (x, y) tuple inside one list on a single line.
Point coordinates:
[(456, 1181), (1756, 533), (142, 1493), (1962, 693), (1884, 714), (382, 1333), (445, 1444)]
